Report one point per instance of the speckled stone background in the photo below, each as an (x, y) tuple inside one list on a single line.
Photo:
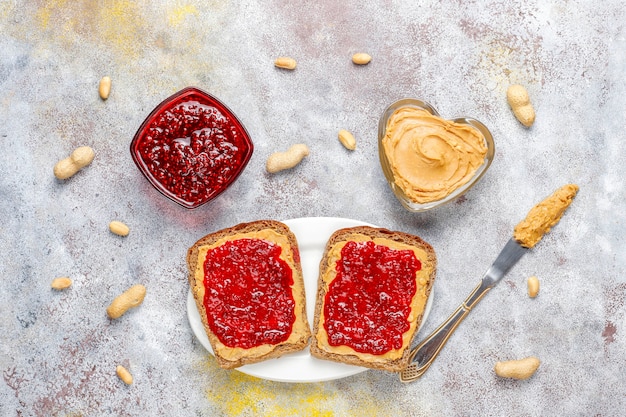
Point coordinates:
[(59, 350)]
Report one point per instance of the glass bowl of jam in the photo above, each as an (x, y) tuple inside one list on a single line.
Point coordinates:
[(191, 147), (429, 161)]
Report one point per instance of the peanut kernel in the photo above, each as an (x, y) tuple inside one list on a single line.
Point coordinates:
[(347, 139), (285, 63), (61, 283), (124, 374), (119, 228), (361, 58)]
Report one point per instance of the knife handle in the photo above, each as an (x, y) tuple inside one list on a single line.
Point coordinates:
[(424, 354)]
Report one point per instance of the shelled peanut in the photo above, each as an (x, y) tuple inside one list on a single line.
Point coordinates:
[(347, 139), (119, 228), (361, 58), (61, 283), (533, 286), (104, 87), (124, 374), (285, 62)]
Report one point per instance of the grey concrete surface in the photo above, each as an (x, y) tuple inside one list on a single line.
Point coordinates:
[(58, 350)]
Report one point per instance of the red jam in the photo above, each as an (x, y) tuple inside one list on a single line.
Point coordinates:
[(248, 296), (191, 147), (368, 303)]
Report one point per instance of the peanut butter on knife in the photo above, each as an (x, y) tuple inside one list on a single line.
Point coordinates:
[(544, 216)]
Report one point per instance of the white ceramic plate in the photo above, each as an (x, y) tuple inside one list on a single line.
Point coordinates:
[(312, 234)]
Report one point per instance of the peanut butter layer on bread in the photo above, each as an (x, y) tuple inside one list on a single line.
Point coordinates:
[(276, 233), (394, 359)]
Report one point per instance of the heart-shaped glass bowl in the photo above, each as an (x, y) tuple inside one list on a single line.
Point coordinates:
[(407, 202), (191, 148)]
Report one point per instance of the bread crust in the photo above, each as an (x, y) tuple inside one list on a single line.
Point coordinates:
[(343, 235), (197, 288)]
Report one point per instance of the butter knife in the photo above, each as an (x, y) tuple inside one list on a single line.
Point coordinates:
[(527, 234), (423, 355)]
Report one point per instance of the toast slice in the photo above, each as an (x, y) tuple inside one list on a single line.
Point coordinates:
[(372, 291), (248, 286)]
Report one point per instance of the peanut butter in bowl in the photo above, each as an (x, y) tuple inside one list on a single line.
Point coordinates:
[(427, 160)]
